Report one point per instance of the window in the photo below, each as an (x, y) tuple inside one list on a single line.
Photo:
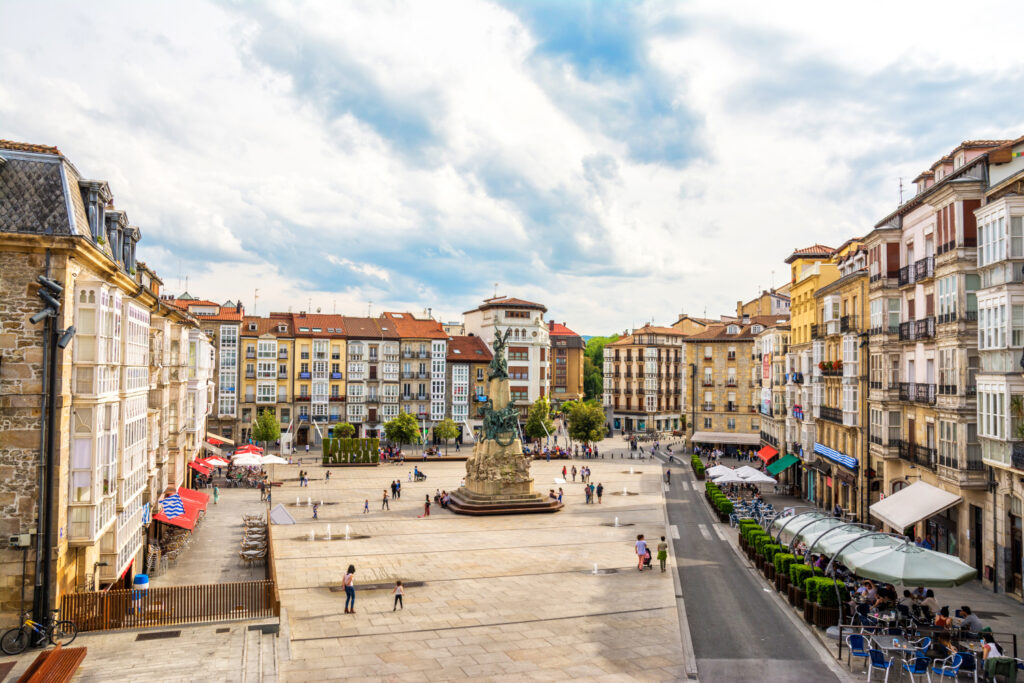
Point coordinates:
[(947, 444), (991, 413), (707, 353), (266, 349), (947, 295), (707, 423), (894, 315), (877, 313), (1016, 237), (1017, 325), (731, 423), (947, 368), (895, 426)]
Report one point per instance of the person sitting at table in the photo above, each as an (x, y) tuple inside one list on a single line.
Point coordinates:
[(918, 594), (929, 602), (943, 620), (968, 620), (907, 600), (991, 647), (867, 592)]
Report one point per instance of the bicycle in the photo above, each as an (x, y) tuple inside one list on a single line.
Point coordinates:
[(58, 632)]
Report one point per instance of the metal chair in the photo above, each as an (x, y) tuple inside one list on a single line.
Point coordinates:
[(917, 667), (969, 664), (948, 667), (878, 661), (858, 648)]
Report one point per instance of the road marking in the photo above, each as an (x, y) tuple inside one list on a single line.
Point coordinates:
[(666, 487), (674, 531), (719, 532), (704, 532)]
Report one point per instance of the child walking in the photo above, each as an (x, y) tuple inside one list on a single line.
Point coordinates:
[(366, 506), (399, 592)]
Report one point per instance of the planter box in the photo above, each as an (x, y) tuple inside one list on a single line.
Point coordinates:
[(796, 597), (769, 571), (809, 608), (782, 583), (825, 616), (701, 476)]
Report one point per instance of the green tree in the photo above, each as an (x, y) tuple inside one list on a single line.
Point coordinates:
[(402, 429), (446, 429), (344, 430), (266, 428), (586, 422), (538, 421), (593, 366)]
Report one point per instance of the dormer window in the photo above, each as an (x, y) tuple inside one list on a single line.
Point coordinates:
[(282, 328), (732, 329), (252, 327), (757, 329)]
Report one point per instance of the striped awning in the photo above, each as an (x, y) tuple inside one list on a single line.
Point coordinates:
[(835, 456)]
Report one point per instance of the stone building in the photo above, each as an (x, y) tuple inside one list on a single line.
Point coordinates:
[(643, 380), (567, 355), (105, 474)]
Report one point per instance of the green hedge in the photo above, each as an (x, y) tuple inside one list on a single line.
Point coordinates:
[(769, 550), (798, 572), (782, 561), (822, 591), (351, 450), (754, 534)]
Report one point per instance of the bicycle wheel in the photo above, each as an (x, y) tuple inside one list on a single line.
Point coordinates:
[(63, 632), (14, 641)]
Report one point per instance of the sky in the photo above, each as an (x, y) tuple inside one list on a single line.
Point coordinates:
[(619, 162)]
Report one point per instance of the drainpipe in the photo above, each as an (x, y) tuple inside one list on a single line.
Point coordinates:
[(40, 589)]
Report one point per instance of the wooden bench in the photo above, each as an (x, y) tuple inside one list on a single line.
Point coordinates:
[(53, 666)]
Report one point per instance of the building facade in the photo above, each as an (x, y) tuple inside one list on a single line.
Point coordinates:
[(424, 372), (643, 380), (268, 357), (768, 373), (372, 385), (468, 358), (567, 354)]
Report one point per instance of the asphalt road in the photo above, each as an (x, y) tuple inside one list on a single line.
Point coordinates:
[(739, 631)]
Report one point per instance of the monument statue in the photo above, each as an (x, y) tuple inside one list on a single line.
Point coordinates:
[(498, 477)]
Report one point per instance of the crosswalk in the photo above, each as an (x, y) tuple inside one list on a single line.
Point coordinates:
[(709, 532)]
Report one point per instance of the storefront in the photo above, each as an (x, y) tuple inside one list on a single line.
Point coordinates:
[(725, 441)]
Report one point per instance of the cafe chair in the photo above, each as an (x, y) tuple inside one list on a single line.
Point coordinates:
[(948, 667), (969, 664), (858, 648), (878, 661), (917, 667)]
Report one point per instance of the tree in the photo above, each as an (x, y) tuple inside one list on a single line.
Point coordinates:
[(446, 429), (538, 421), (266, 428), (593, 366), (586, 422), (402, 429), (344, 430)]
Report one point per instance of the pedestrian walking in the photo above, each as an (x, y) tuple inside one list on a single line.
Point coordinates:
[(216, 494), (350, 590), (384, 501), (327, 477), (366, 506), (565, 472), (268, 496), (263, 491), (399, 592), (574, 473), (586, 494), (307, 449), (641, 551), (592, 496), (426, 506), (662, 553), (316, 506), (560, 494), (394, 490), (668, 477), (600, 492), (398, 487)]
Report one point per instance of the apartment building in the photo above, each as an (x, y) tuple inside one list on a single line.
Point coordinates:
[(923, 268), (468, 358), (771, 302), (810, 269), (1000, 382), (721, 393), (318, 386), (372, 385), (840, 398), (567, 354), (768, 373), (643, 380), (424, 372), (529, 344), (59, 225), (268, 361)]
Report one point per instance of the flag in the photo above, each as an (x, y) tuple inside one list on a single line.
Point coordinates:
[(172, 506)]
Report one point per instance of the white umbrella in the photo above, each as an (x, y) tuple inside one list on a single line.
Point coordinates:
[(730, 478), (760, 478), (718, 470), (247, 460), (747, 471), (908, 565), (273, 460)]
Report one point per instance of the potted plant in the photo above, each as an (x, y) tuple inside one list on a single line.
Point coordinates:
[(769, 550), (782, 562), (827, 610), (798, 572), (810, 598)]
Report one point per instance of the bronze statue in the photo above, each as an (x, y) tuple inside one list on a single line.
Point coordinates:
[(498, 368)]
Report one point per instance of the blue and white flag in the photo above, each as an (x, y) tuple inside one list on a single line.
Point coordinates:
[(172, 506)]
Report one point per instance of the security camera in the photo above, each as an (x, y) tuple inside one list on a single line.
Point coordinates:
[(50, 285), (41, 316), (65, 338)]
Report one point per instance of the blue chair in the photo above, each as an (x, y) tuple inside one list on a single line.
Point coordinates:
[(858, 648), (948, 667), (969, 664), (918, 667), (923, 644), (878, 661)]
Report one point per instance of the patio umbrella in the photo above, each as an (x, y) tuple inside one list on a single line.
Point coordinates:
[(216, 461), (908, 565), (760, 478), (718, 470), (834, 542), (247, 460), (747, 471), (272, 460), (729, 478), (248, 448)]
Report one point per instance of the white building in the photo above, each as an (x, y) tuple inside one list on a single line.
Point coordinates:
[(529, 346)]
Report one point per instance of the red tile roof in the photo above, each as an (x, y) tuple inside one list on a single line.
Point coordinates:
[(28, 147), (627, 339), (266, 326), (369, 328), (507, 302), (330, 325), (409, 326), (470, 349), (559, 330)]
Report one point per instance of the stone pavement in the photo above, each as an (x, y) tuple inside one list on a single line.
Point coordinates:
[(503, 598)]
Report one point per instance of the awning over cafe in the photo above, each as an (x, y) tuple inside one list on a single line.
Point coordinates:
[(199, 467), (727, 438), (198, 497), (767, 453), (912, 504), (835, 456), (783, 463), (218, 440)]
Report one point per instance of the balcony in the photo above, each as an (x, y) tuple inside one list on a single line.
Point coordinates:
[(731, 355), (947, 247), (423, 354), (817, 331), (796, 377), (335, 375), (912, 392), (336, 399), (915, 330), (924, 269), (304, 375), (408, 353), (302, 397), (250, 375), (916, 454), (373, 399), (406, 397), (827, 369), (282, 355), (731, 382), (421, 397), (707, 406), (732, 408), (831, 414), (248, 354), (707, 383), (848, 323)]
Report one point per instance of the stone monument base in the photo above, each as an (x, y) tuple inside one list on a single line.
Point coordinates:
[(507, 501)]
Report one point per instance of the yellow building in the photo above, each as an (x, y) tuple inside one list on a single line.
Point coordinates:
[(268, 352), (567, 360), (319, 375)]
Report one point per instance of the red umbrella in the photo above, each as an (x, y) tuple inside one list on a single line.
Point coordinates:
[(248, 448)]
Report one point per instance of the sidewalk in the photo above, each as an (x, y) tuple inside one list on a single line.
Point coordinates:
[(996, 610)]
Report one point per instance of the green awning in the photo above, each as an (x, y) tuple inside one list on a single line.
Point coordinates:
[(782, 463)]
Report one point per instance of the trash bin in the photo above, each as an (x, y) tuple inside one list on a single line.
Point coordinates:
[(140, 587)]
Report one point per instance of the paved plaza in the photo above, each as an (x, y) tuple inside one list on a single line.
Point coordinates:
[(502, 598)]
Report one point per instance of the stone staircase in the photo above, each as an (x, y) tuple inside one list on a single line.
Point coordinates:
[(260, 655)]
